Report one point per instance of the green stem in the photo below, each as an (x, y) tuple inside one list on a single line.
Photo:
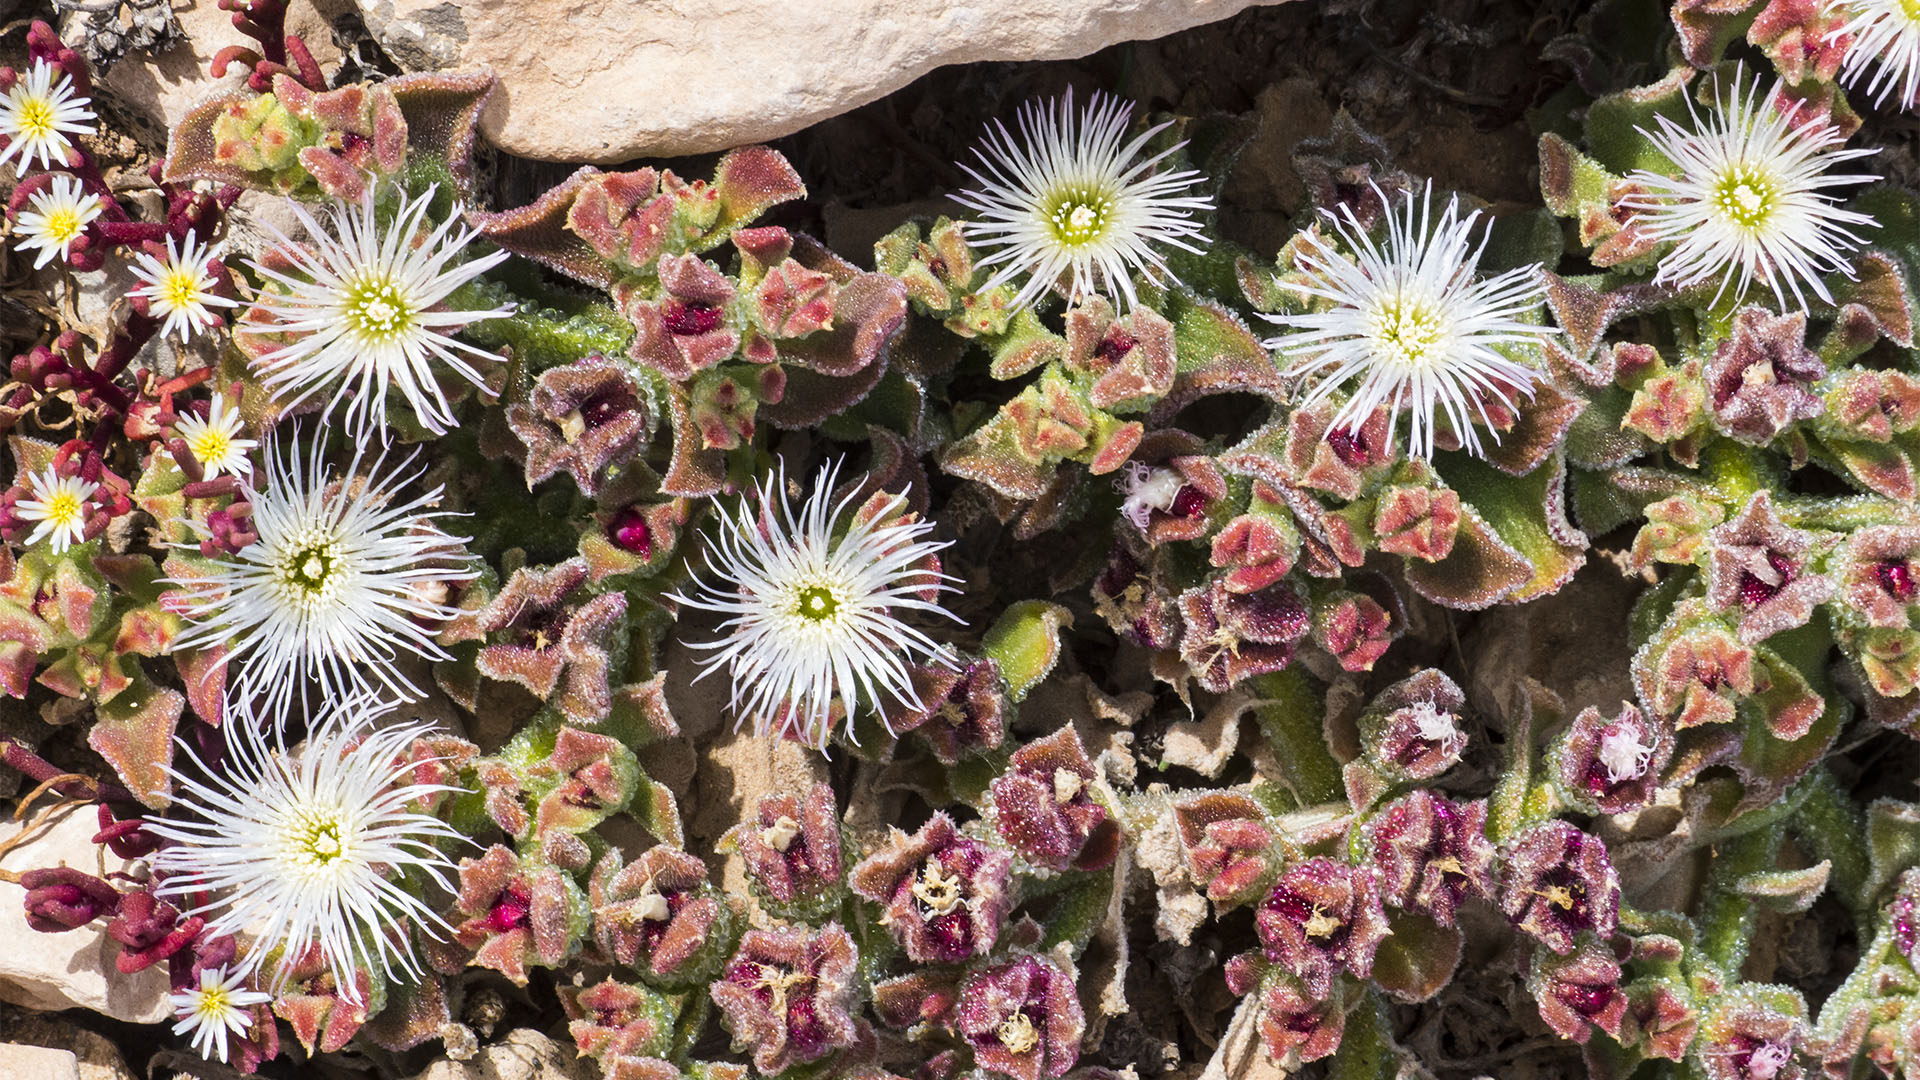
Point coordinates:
[(1366, 1050), (1831, 827), (1291, 716), (1727, 915)]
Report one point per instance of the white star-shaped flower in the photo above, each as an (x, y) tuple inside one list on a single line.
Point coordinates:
[(219, 1006), (1750, 199), (337, 589), (180, 289), (37, 115), (214, 440), (59, 504), (1407, 324), (308, 847), (365, 307), (1886, 42), (1074, 198), (813, 605), (55, 217)]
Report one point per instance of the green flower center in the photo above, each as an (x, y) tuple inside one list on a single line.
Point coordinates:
[(1079, 216), (310, 567), (1409, 332), (320, 842), (377, 312), (1746, 196), (817, 604)]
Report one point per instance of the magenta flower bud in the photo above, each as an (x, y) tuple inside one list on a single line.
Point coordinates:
[(1753, 1032), (613, 1020), (945, 894), (1136, 603), (1578, 992), (1661, 1019), (1231, 852), (516, 914), (1170, 502), (1044, 806), (1411, 730), (1294, 1022), (1323, 917), (962, 712), (788, 996), (1611, 766), (150, 930), (1234, 636), (549, 634), (586, 419), (1760, 570), (659, 916), (1880, 573), (1761, 378), (1559, 883), (1903, 913), (791, 847), (62, 898), (630, 532), (1430, 854), (1022, 1019)]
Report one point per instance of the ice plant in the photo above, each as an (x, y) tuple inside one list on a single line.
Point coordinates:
[(337, 587), (59, 505), (1073, 198), (179, 289), (38, 115), (1886, 41), (1408, 320), (363, 310), (813, 610), (219, 1005), (304, 848), (58, 214), (1751, 197), (214, 440)]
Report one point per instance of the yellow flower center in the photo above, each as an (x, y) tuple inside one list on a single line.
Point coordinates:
[(936, 889), (180, 289), (211, 445), (64, 508), (63, 225), (306, 574), (1080, 216), (35, 118), (1746, 196), (1408, 332), (214, 1002)]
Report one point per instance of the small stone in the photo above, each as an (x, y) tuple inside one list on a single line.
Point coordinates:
[(37, 1063), (524, 1054), (75, 968)]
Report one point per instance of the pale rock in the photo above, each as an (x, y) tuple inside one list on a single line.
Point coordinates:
[(609, 82), (524, 1054), (98, 1058), (150, 93), (75, 968), (19, 1062)]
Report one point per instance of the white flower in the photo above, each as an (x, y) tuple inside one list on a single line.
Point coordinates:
[(1886, 40), (57, 215), (59, 504), (306, 848), (1410, 322), (215, 441), (364, 308), (1435, 725), (217, 1006), (340, 583), (1750, 199), (813, 612), (1624, 756), (180, 289), (1072, 197), (38, 114)]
